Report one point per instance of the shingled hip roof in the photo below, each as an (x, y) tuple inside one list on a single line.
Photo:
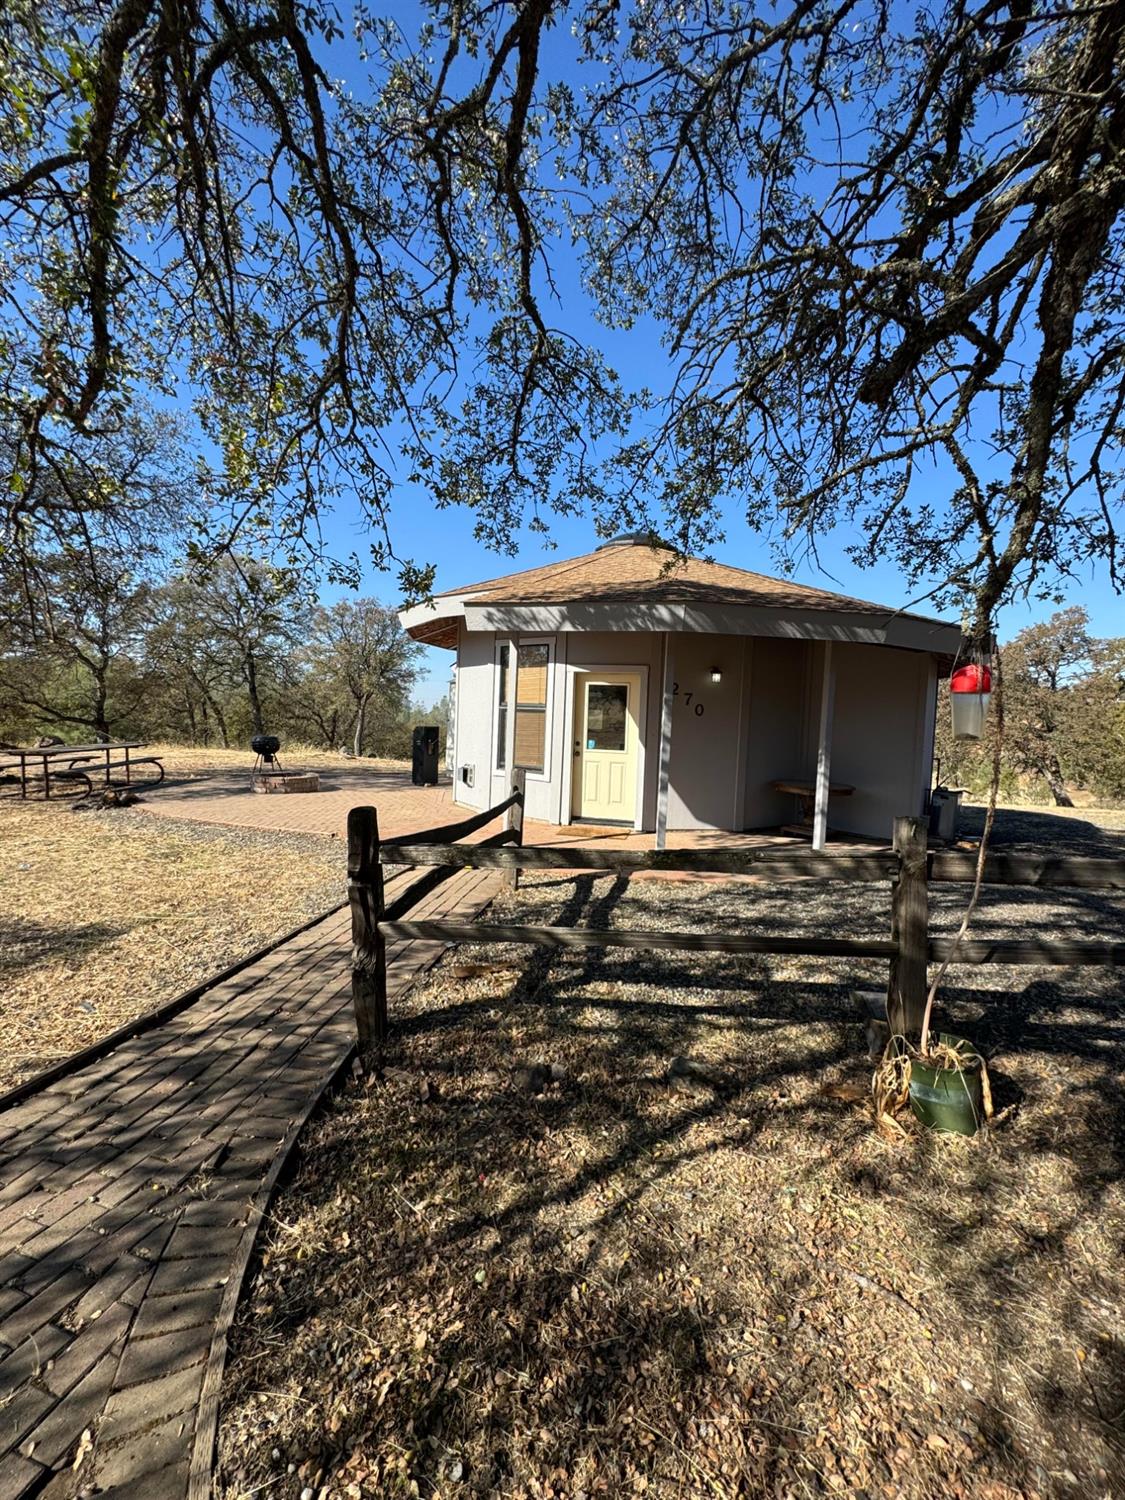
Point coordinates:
[(633, 572)]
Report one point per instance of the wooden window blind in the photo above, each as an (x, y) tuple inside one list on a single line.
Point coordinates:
[(531, 735), (531, 707)]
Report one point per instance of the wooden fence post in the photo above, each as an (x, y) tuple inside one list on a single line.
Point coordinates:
[(369, 948), (513, 821), (910, 929)]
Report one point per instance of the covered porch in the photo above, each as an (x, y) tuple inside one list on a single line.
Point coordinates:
[(668, 696)]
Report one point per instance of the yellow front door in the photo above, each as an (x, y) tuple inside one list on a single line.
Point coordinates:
[(606, 735)]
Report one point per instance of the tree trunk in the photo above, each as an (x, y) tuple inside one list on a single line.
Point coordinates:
[(99, 721), (1054, 779), (220, 720), (360, 725), (252, 688)]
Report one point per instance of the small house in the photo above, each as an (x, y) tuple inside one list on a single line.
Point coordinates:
[(640, 689)]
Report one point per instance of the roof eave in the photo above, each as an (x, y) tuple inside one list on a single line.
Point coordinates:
[(874, 627), (437, 622)]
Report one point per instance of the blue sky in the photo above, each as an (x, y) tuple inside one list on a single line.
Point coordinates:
[(445, 537)]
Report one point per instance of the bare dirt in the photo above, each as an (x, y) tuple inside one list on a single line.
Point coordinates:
[(684, 1263)]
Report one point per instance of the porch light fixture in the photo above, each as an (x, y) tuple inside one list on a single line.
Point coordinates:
[(716, 674)]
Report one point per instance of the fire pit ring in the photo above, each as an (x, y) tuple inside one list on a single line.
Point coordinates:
[(286, 781)]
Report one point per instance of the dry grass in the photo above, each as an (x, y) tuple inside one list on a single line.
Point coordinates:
[(691, 1267), (1049, 822), (104, 914), (185, 762)]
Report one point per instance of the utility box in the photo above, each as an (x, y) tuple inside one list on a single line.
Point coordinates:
[(945, 812), (425, 757)]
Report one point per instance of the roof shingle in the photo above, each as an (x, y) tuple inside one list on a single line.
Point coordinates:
[(635, 572)]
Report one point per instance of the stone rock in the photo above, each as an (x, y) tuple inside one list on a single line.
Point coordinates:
[(877, 1034), (533, 1078), (117, 796)]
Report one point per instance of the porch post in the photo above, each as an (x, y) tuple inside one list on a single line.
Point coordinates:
[(824, 750), (665, 744)]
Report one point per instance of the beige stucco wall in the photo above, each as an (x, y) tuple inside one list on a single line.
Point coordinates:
[(779, 705), (705, 788), (758, 725), (473, 743), (881, 735)]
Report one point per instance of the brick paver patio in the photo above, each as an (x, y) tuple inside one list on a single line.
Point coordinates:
[(130, 1193), (220, 797), (225, 797)]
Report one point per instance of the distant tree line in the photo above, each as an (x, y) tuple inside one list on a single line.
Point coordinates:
[(106, 632), (1064, 717)]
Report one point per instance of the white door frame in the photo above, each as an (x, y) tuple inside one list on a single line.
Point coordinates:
[(574, 671)]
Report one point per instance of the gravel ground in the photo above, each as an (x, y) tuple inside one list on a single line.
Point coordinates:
[(688, 1265), (104, 914)]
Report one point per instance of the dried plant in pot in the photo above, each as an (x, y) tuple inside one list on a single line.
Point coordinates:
[(945, 1083), (948, 1088)]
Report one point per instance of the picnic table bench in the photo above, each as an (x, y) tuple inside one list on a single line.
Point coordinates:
[(805, 793), (76, 763)]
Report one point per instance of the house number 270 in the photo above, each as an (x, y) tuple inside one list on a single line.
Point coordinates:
[(698, 710)]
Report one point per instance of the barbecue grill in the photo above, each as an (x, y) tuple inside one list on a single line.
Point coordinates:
[(265, 748)]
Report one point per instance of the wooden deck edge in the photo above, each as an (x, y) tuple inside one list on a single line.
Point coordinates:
[(152, 1018), (207, 1416), (201, 1471)]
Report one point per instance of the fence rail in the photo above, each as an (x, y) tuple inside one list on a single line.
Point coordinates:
[(373, 920), (779, 864), (1045, 872), (1039, 871), (909, 866), (620, 937)]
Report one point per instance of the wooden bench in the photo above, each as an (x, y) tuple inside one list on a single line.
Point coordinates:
[(805, 792), (15, 773)]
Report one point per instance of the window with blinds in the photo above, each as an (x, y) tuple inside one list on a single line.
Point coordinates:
[(531, 708), (503, 659)]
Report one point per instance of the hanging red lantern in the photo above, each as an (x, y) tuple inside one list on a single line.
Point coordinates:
[(969, 690)]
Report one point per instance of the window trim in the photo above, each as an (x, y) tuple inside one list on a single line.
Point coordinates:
[(548, 705), (501, 746)]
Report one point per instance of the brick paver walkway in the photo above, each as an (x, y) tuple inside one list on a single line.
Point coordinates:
[(130, 1193)]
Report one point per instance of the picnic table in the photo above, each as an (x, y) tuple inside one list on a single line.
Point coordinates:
[(805, 793), (71, 763)]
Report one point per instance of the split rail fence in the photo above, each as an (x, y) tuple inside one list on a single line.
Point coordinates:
[(909, 865)]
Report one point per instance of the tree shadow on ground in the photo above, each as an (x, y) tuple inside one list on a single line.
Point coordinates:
[(26, 943), (1032, 830), (713, 1278)]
